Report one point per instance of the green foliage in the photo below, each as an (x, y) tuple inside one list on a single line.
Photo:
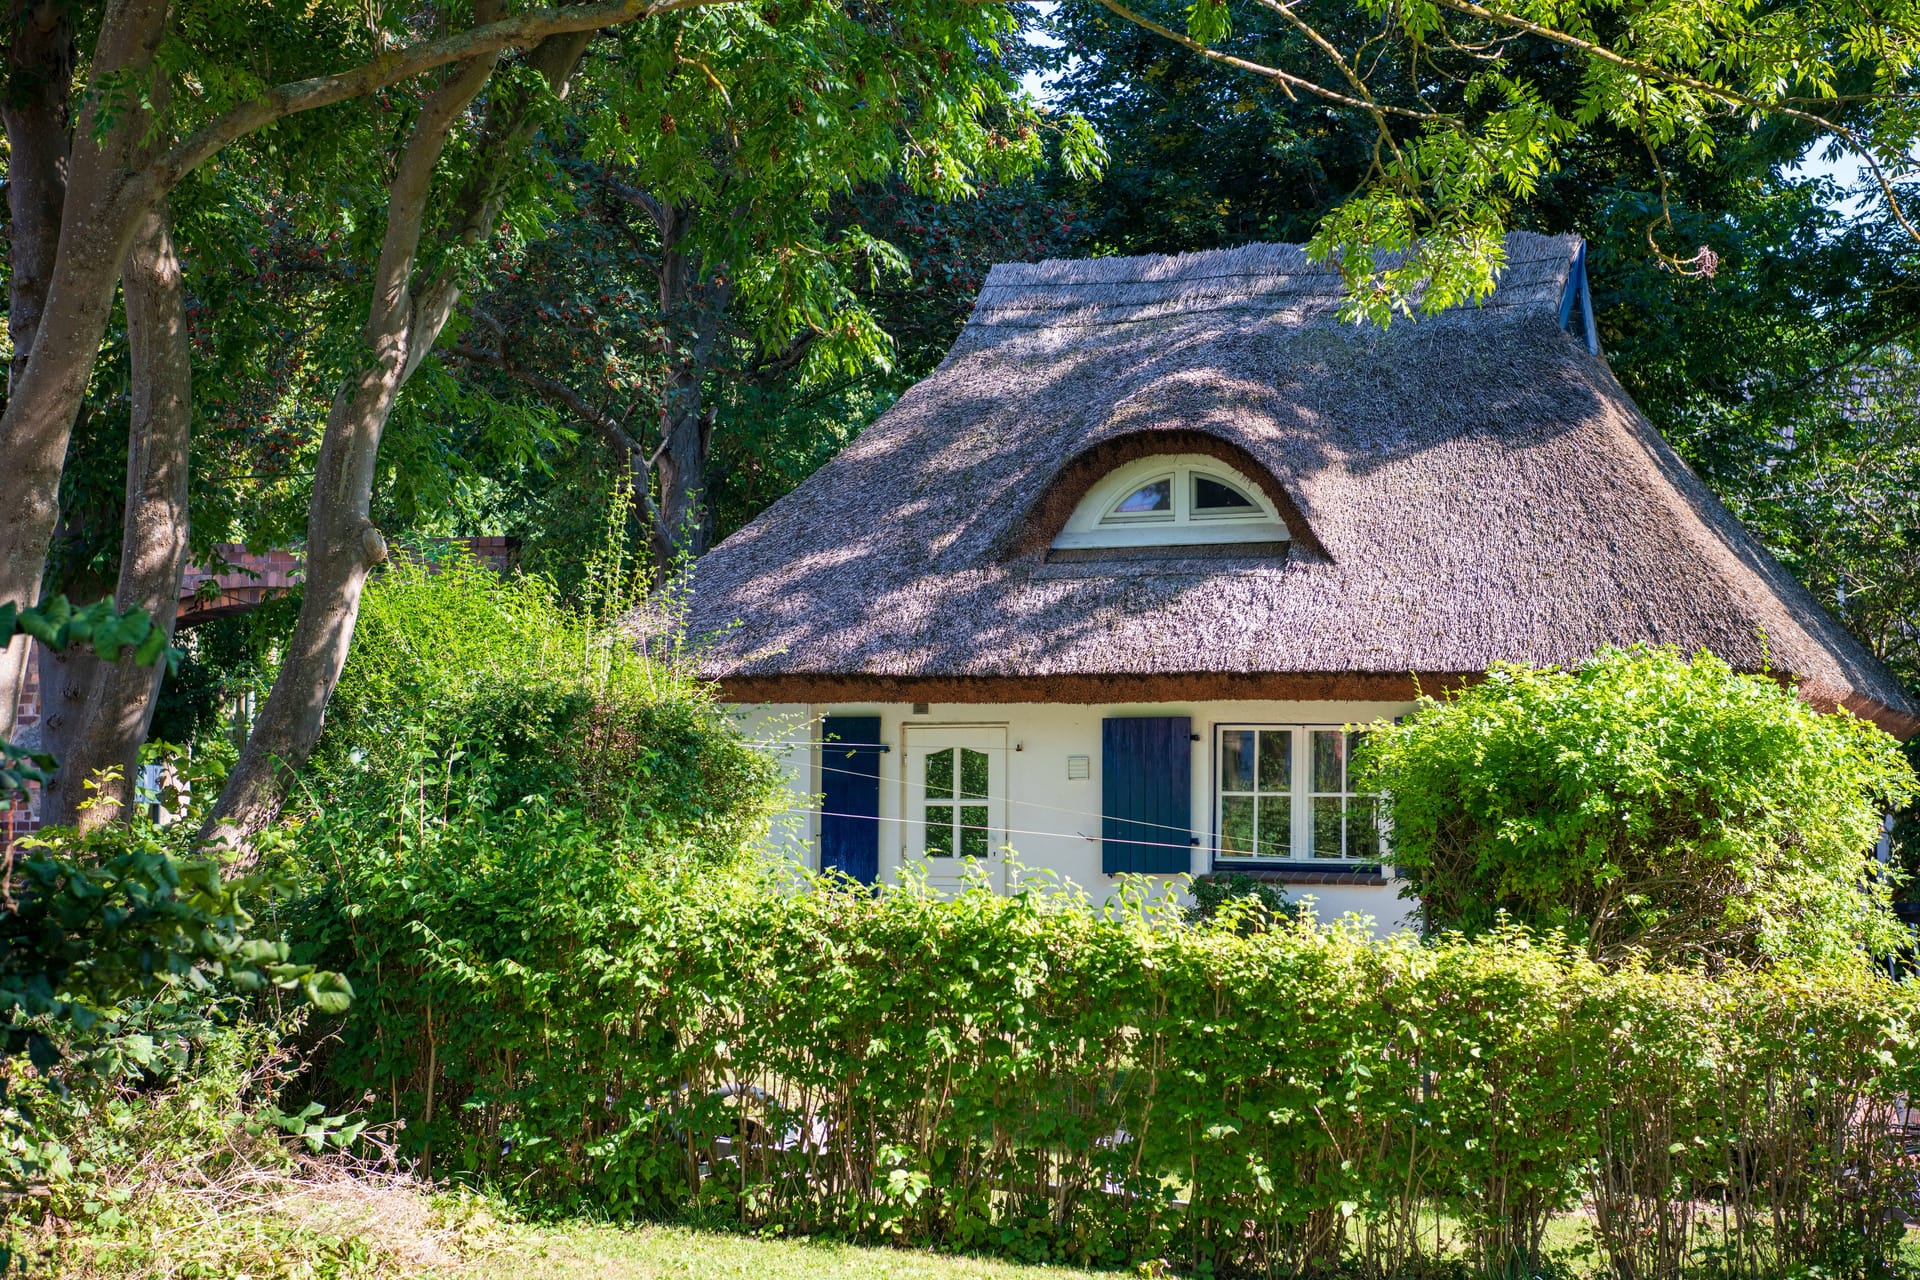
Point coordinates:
[(204, 1167), (1645, 802), (476, 708), (112, 950), (1032, 1076), (110, 945), (1470, 109), (58, 624), (1241, 900)]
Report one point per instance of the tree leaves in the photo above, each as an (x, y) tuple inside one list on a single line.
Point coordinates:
[(59, 625)]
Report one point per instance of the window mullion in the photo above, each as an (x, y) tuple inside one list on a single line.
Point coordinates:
[(1302, 807)]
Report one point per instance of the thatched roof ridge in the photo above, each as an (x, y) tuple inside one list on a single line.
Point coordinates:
[(1468, 488), (1269, 278)]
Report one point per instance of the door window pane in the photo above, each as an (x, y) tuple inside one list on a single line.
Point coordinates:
[(973, 831), (940, 774), (939, 831), (973, 774)]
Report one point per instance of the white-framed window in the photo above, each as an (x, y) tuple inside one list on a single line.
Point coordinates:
[(1282, 793), (1172, 500)]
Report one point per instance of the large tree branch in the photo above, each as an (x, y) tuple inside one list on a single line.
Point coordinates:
[(641, 200), (785, 360), (407, 194), (522, 30), (512, 118)]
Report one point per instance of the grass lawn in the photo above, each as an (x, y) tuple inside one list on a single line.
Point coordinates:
[(592, 1252)]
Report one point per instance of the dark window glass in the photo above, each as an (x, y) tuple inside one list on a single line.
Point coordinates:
[(1326, 826), (1236, 824), (1276, 826), (1363, 828), (1276, 760), (1328, 750), (1212, 495)]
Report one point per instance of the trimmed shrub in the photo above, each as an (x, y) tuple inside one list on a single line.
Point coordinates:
[(1644, 803), (1034, 1076)]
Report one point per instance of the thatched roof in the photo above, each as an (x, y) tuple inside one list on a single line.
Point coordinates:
[(1464, 489)]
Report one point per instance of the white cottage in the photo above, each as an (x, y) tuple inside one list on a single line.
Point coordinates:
[(1112, 586)]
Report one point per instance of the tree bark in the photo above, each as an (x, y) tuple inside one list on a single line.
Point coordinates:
[(695, 305), (402, 327), (102, 211), (35, 107), (112, 721)]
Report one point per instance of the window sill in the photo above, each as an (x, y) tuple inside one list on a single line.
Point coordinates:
[(1268, 552), (1365, 873)]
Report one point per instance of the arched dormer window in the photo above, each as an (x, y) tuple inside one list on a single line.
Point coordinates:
[(1173, 500)]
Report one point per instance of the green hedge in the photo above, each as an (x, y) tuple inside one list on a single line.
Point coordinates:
[(1035, 1076), (1648, 802)]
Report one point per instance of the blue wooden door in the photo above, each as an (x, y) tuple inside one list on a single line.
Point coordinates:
[(850, 791), (1146, 786)]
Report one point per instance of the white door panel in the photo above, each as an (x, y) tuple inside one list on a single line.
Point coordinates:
[(956, 804)]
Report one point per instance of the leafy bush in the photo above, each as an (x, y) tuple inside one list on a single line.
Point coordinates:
[(1034, 1076), (471, 699), (1644, 802), (194, 1169), (517, 763), (115, 956), (1251, 903)]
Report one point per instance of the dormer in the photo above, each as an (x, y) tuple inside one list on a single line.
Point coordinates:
[(1177, 500)]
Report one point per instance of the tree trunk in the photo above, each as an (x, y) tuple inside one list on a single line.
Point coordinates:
[(695, 305), (35, 107), (342, 542), (102, 210), (118, 707)]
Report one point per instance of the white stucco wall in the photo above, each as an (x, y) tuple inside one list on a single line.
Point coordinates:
[(1052, 822)]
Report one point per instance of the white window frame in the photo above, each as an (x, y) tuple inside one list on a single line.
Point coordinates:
[(1095, 523), (1300, 854)]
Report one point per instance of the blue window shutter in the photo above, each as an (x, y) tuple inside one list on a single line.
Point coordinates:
[(850, 790), (1146, 791)]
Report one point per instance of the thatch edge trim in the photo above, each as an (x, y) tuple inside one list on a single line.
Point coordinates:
[(1196, 686)]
